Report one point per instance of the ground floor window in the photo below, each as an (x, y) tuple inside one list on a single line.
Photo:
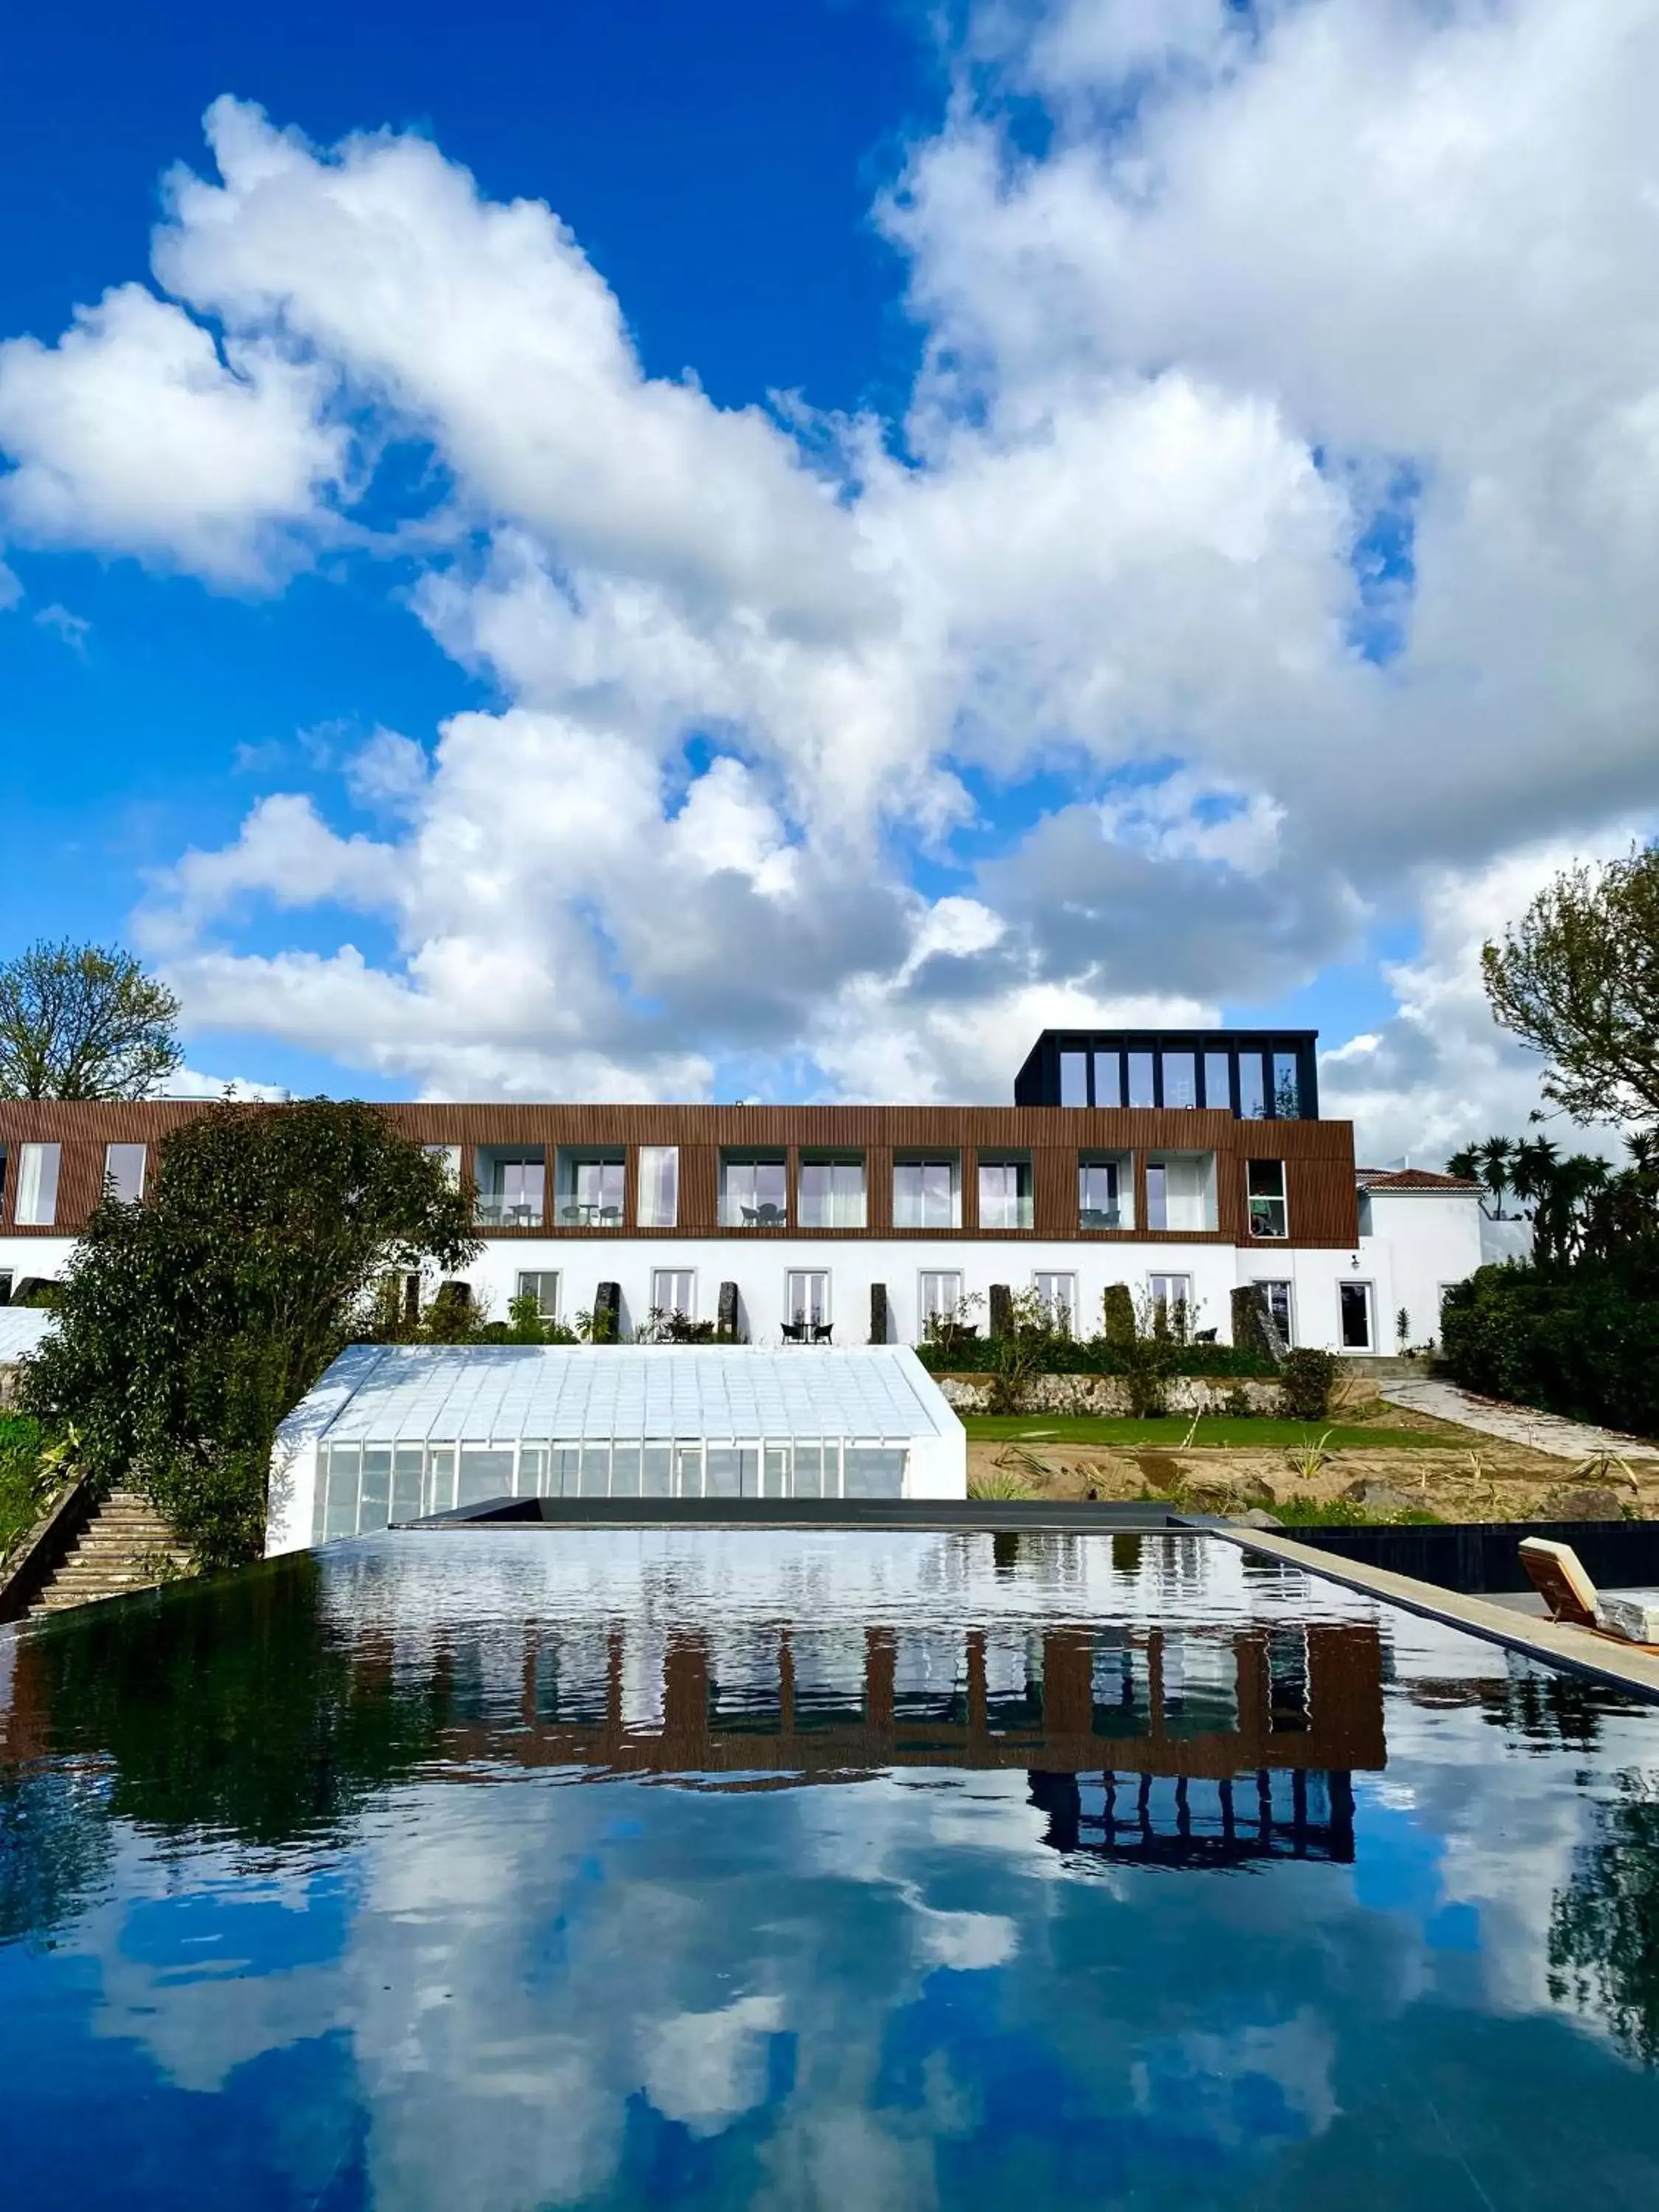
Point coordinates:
[(807, 1298), (1172, 1300), (1057, 1296), (1277, 1298), (1355, 1301), (543, 1287), (674, 1293), (941, 1300)]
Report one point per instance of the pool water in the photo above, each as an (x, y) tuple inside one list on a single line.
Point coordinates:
[(490, 1869)]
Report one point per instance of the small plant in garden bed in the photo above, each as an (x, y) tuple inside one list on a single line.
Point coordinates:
[(1340, 1513)]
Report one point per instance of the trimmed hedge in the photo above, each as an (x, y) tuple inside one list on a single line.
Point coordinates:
[(977, 1355), (1585, 1345)]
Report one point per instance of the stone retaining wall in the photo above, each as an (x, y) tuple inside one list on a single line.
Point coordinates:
[(1110, 1394)]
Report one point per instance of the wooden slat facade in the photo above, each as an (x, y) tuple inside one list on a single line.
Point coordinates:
[(1318, 1157)]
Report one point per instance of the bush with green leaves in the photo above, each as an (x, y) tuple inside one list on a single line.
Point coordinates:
[(1585, 1345), (191, 1323), (25, 1482), (1306, 1380)]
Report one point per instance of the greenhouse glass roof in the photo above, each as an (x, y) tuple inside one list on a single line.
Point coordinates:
[(502, 1393)]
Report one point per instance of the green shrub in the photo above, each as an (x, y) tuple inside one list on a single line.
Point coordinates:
[(1585, 1345), (1306, 1379), (1117, 1312), (23, 1482)]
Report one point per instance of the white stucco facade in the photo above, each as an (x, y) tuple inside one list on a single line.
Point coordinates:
[(1418, 1241), (1417, 1245)]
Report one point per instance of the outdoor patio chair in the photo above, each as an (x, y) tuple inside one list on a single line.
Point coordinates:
[(794, 1331), (823, 1331), (768, 1217), (1557, 1573)]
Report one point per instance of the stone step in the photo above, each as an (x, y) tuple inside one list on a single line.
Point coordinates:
[(117, 1552)]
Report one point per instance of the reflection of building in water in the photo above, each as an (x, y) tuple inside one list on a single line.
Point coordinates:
[(1202, 1704), (1178, 1820)]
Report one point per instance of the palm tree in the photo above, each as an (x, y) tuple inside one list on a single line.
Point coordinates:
[(1492, 1168)]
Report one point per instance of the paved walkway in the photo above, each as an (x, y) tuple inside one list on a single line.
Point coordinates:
[(1516, 1425)]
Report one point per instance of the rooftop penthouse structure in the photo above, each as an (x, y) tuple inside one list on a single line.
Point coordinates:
[(1182, 1164)]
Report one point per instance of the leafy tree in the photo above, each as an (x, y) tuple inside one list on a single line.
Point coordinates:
[(1577, 979), (83, 1021), (193, 1322), (1604, 1926)]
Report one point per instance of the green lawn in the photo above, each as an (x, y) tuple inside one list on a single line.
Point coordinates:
[(1170, 1434)]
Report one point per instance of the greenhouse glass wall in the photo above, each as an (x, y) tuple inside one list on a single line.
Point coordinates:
[(393, 1433)]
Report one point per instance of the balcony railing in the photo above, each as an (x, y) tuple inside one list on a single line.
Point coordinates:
[(506, 1213)]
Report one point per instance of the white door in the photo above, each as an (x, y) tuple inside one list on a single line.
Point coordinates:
[(806, 1299), (674, 1291), (1057, 1294), (941, 1296)]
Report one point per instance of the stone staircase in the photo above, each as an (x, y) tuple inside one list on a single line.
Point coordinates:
[(125, 1546)]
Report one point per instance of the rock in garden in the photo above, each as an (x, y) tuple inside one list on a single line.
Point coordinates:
[(1592, 1502), (1378, 1497)]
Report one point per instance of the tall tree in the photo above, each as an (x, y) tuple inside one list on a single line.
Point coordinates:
[(83, 1021), (189, 1324), (1577, 979)]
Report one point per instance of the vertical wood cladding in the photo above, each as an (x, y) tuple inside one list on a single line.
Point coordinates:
[(1318, 1156)]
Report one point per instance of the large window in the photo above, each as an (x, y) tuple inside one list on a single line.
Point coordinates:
[(1057, 1296), (1180, 1191), (1179, 1079), (928, 1191), (674, 1292), (1074, 1079), (806, 1299), (37, 1185), (1252, 1088), (1105, 1192), (1265, 1182), (1277, 1298), (1288, 1087), (511, 1179), (448, 1158), (1004, 1193), (831, 1191), (754, 1190), (1355, 1300), (1172, 1301), (1140, 1078), (941, 1299), (1217, 1082), (124, 1172), (1108, 1079), (589, 1184), (660, 1187), (543, 1286)]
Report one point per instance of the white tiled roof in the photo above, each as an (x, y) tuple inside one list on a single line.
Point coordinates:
[(22, 1328), (500, 1393)]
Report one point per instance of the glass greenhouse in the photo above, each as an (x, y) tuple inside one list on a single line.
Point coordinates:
[(392, 1433)]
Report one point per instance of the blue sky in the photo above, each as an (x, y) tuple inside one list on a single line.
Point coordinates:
[(1036, 515)]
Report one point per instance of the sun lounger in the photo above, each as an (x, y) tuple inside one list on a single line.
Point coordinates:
[(1557, 1576)]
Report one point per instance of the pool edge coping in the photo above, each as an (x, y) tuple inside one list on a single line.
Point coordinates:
[(1554, 1643)]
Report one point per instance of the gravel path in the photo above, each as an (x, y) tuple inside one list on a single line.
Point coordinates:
[(1516, 1425)]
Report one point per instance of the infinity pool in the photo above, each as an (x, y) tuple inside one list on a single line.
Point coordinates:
[(484, 1870)]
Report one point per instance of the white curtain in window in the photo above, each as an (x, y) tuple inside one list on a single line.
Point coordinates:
[(832, 1193), (659, 1185), (37, 1186)]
